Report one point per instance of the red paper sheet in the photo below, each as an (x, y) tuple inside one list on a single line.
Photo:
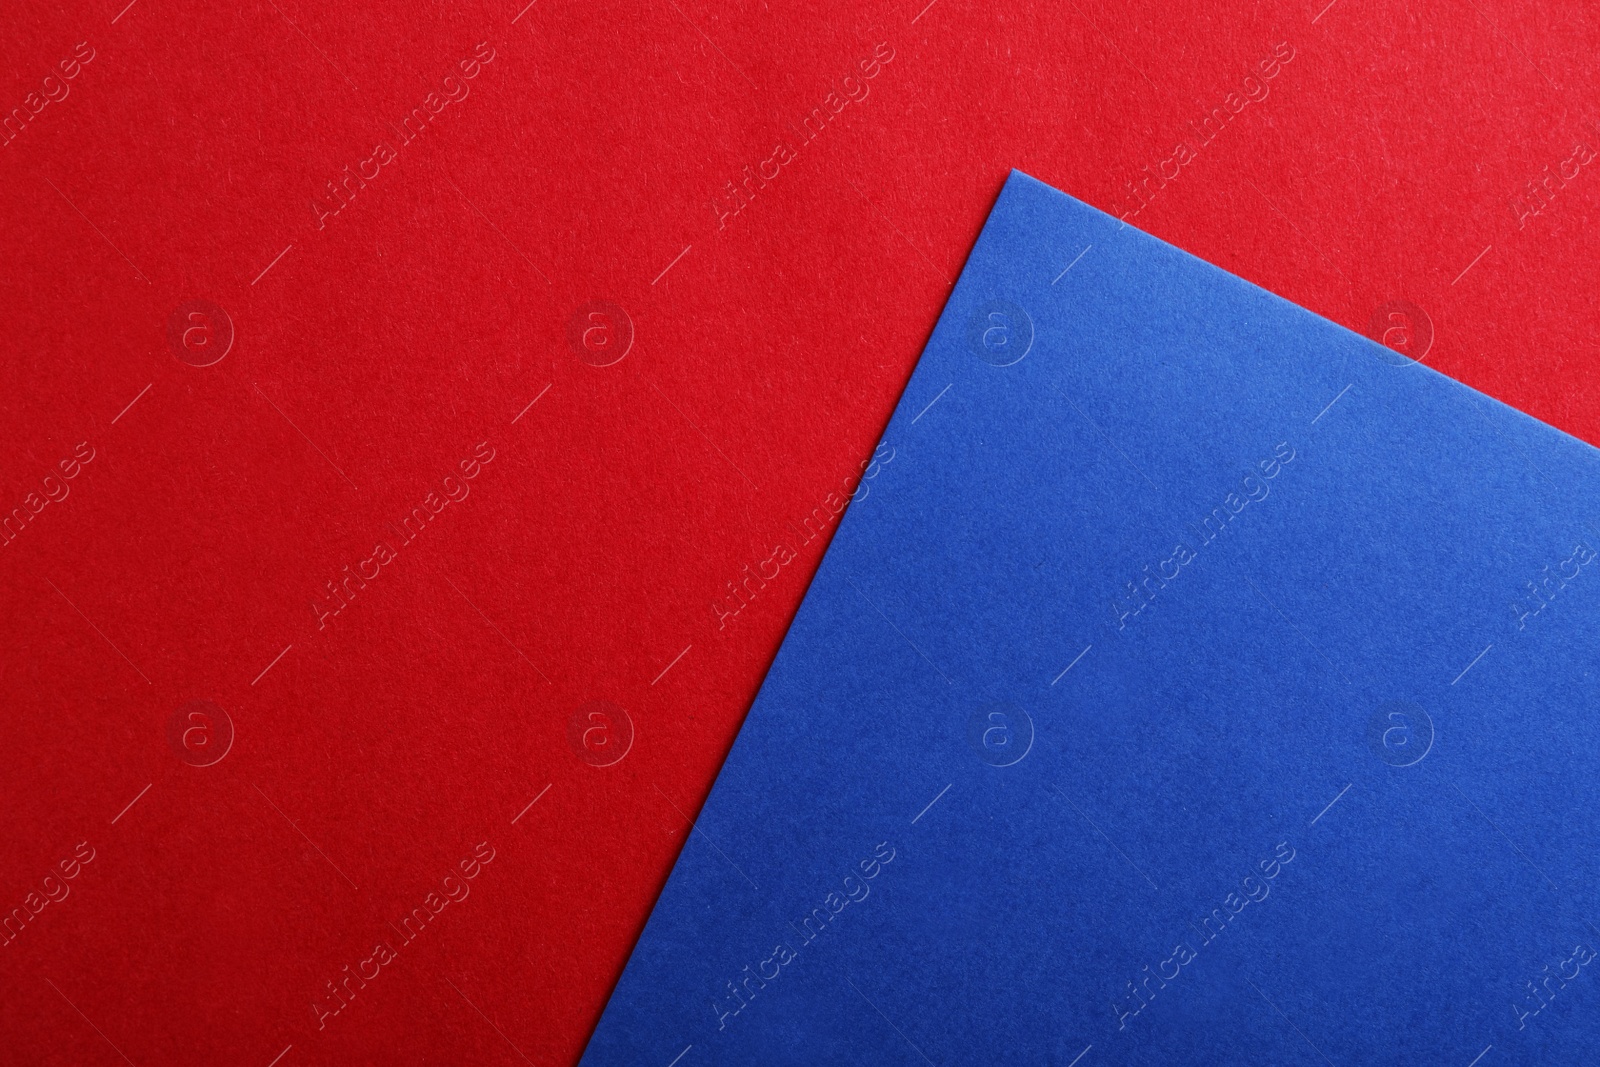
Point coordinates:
[(403, 409)]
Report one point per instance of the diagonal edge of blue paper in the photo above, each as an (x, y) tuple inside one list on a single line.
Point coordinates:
[(1190, 680)]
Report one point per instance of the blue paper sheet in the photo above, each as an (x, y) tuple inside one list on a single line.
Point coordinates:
[(1199, 683)]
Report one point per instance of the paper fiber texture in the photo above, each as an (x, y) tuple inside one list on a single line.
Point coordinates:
[(1201, 683), (281, 646)]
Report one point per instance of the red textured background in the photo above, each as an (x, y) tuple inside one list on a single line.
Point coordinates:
[(383, 347)]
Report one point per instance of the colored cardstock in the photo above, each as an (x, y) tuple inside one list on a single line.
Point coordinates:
[(1201, 682), (284, 646)]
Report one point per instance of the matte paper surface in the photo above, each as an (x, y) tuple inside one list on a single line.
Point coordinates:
[(281, 647), (1200, 683)]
